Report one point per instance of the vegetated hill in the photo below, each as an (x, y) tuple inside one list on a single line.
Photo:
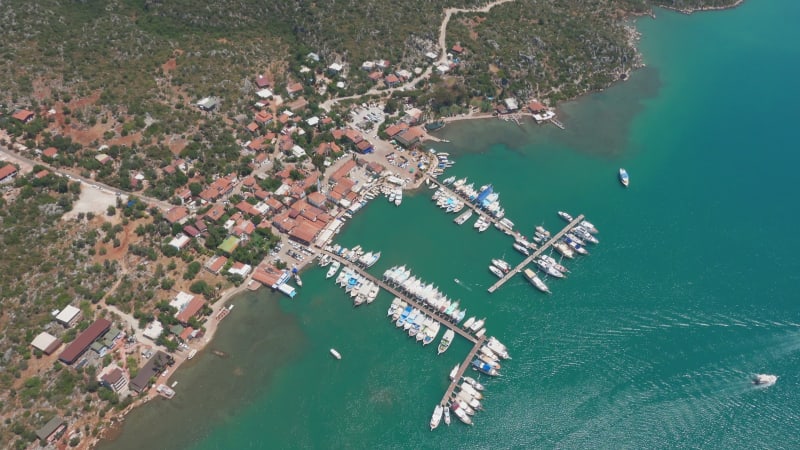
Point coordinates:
[(63, 48)]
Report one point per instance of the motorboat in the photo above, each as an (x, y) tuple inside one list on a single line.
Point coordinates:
[(324, 260), (447, 415), (454, 372), (496, 271), (589, 227), (575, 246), (333, 269), (473, 403), (394, 306), (399, 311), (576, 239), (447, 339), (463, 217), (502, 265), (548, 268), (623, 177), (336, 354), (479, 334), (469, 322), (477, 325), (552, 261), (765, 380), (497, 348), (535, 280), (522, 249), (471, 391), (492, 362), (565, 250), (474, 383), (437, 416), (460, 413), (484, 368), (566, 216)]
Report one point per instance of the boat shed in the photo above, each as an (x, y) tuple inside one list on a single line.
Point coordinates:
[(84, 341), (68, 316), (46, 343)]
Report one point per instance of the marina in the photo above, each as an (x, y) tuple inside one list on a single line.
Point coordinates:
[(553, 240)]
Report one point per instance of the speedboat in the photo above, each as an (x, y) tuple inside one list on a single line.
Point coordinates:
[(336, 354), (333, 269), (535, 280), (623, 177), (565, 216), (446, 340), (496, 271), (765, 380), (437, 416)]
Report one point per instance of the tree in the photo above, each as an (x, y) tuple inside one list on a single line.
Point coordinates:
[(111, 210), (200, 287)]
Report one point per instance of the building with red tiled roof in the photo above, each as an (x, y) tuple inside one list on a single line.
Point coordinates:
[(326, 148), (294, 89), (375, 167), (178, 214), (215, 213), (81, 343), (391, 80), (186, 334), (375, 76), (7, 172), (264, 81), (274, 205), (263, 117), (410, 137), (252, 127), (365, 146), (337, 133), (393, 130), (257, 144), (215, 264), (457, 49), (268, 275), (353, 136), (41, 174), (190, 230), (23, 115), (316, 199), (50, 152), (342, 172), (191, 309), (303, 233), (535, 106)]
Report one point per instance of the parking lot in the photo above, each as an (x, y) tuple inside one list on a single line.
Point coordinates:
[(365, 114)]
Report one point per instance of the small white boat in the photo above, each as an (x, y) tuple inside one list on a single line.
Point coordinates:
[(623, 177), (474, 383), (333, 269), (469, 322), (446, 340), (192, 353), (336, 354), (437, 416), (765, 380), (454, 372), (566, 216), (480, 333), (447, 415), (477, 325), (496, 271)]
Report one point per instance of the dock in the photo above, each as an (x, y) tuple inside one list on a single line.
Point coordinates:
[(461, 369), (413, 302), (536, 253), (493, 220)]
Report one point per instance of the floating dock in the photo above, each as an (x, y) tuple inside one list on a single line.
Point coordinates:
[(413, 302), (461, 369), (536, 253)]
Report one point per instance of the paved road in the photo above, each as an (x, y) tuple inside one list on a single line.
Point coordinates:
[(23, 161)]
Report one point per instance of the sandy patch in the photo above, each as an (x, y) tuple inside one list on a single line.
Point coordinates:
[(95, 200)]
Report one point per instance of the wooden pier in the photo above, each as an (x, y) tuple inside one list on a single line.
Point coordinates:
[(536, 253), (461, 369), (475, 208), (413, 302)]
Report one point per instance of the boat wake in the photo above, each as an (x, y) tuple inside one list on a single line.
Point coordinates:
[(458, 282)]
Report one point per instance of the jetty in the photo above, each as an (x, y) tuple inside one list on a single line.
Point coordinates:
[(411, 301), (481, 213), (536, 253), (461, 369)]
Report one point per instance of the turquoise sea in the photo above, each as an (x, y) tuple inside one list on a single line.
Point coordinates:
[(652, 340)]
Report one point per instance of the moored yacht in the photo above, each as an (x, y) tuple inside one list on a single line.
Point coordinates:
[(446, 340), (589, 227), (474, 383), (522, 249), (563, 248), (548, 268), (496, 271), (478, 324), (437, 416), (535, 280), (333, 269), (566, 216), (469, 322)]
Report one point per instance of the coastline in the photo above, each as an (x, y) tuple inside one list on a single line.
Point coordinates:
[(111, 427)]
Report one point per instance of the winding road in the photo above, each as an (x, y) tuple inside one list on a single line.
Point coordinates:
[(410, 84)]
